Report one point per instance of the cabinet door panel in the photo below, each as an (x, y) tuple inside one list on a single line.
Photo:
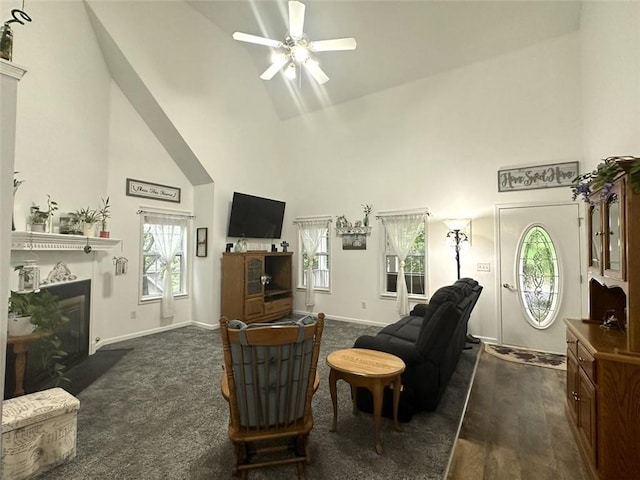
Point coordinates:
[(614, 245), (587, 414), (254, 269), (572, 386)]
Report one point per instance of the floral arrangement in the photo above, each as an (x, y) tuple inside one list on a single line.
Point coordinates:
[(604, 174)]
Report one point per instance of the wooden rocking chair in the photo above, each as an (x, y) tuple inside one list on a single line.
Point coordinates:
[(270, 376)]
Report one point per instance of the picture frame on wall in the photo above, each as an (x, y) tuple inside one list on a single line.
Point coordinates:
[(201, 241), (354, 242)]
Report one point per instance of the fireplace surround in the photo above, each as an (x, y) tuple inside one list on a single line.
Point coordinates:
[(74, 298)]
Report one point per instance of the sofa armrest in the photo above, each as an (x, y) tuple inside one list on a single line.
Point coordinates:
[(388, 344)]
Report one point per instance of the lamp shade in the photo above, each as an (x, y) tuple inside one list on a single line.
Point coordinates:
[(456, 223)]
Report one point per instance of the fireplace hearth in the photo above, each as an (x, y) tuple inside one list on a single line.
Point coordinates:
[(74, 298)]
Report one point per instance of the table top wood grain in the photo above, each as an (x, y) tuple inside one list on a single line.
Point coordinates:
[(368, 363)]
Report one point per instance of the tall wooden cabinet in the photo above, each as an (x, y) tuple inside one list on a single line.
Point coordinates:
[(257, 286), (603, 364)]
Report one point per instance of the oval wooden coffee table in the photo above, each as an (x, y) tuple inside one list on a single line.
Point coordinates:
[(372, 370)]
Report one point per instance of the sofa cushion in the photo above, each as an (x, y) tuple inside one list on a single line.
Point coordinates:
[(439, 324), (446, 294)]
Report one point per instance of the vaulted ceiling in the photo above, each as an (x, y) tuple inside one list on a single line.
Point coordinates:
[(398, 41)]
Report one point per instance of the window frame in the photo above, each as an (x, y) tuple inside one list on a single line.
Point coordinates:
[(186, 266), (382, 277), (300, 282)]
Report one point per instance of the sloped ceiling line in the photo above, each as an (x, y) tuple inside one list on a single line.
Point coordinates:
[(147, 106)]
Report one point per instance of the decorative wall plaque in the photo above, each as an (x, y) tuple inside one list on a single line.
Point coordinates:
[(538, 176)]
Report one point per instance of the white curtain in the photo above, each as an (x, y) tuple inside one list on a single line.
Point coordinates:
[(311, 234), (168, 234), (402, 231)]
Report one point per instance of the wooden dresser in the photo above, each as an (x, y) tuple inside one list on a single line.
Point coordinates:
[(603, 364)]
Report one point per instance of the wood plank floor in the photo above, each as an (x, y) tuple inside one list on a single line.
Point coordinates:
[(515, 426)]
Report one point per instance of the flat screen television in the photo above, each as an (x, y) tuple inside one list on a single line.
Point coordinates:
[(255, 217)]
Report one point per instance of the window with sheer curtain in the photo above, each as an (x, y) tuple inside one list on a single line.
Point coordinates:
[(404, 256), (313, 255), (163, 258)]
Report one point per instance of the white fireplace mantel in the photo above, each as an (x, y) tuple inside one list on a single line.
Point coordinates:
[(56, 241)]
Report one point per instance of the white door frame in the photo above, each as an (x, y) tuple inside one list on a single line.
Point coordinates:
[(498, 256)]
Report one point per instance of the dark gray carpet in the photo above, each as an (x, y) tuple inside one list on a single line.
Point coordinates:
[(81, 376), (158, 414)]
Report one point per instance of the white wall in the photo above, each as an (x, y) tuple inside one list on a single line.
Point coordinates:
[(610, 40), (225, 118), (438, 143), (134, 152)]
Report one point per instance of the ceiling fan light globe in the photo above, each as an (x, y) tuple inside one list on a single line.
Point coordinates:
[(300, 54)]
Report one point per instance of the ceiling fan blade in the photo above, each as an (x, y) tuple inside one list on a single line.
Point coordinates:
[(245, 37), (296, 19), (277, 64), (333, 45), (316, 72)]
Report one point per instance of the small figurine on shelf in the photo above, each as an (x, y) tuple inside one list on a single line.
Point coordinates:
[(341, 222)]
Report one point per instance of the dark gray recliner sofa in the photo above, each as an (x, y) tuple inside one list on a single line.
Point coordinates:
[(430, 341)]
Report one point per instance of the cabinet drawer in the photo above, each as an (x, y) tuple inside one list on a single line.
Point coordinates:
[(572, 343), (278, 305), (253, 308), (587, 362)]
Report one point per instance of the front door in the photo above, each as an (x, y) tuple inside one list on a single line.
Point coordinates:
[(540, 274)]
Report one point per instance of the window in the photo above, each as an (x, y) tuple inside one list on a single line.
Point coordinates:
[(538, 277), (320, 265), (163, 236), (415, 265)]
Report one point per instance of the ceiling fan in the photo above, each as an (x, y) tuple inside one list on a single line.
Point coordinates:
[(296, 48)]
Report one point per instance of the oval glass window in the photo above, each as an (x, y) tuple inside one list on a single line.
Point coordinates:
[(538, 277)]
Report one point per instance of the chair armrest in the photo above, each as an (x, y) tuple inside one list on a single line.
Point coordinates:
[(224, 385)]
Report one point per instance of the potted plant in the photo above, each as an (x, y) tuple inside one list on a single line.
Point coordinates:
[(44, 318), (87, 218), (103, 215), (41, 220), (37, 219)]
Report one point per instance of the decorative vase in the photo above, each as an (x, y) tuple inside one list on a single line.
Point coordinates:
[(89, 230), (365, 221)]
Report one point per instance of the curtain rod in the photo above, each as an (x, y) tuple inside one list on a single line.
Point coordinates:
[(167, 214), (403, 213), (318, 219)]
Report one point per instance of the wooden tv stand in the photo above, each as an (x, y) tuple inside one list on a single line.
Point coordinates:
[(257, 286)]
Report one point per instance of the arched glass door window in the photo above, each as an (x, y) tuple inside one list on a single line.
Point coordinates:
[(538, 277)]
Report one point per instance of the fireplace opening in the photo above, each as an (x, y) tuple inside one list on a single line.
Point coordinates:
[(74, 298)]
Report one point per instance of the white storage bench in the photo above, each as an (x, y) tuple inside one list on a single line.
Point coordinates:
[(38, 432)]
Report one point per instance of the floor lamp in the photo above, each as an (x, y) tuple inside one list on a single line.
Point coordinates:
[(456, 236)]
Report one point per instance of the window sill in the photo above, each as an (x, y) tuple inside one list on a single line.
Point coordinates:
[(316, 289), (146, 300), (414, 298)]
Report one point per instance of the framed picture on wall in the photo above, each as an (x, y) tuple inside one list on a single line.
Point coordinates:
[(201, 242)]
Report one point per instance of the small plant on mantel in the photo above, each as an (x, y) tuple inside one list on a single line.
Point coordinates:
[(604, 174), (104, 214), (47, 317)]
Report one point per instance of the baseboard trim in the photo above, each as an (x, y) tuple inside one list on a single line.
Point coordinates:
[(343, 319)]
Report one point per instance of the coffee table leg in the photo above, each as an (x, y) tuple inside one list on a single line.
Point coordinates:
[(334, 398), (397, 386), (377, 390)]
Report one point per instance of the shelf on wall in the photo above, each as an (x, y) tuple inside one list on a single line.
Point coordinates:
[(353, 230), (57, 241)]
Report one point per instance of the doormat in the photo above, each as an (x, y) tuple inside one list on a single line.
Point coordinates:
[(529, 357)]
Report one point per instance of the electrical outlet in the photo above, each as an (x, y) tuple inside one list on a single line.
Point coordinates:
[(483, 267), (364, 304), (133, 315)]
